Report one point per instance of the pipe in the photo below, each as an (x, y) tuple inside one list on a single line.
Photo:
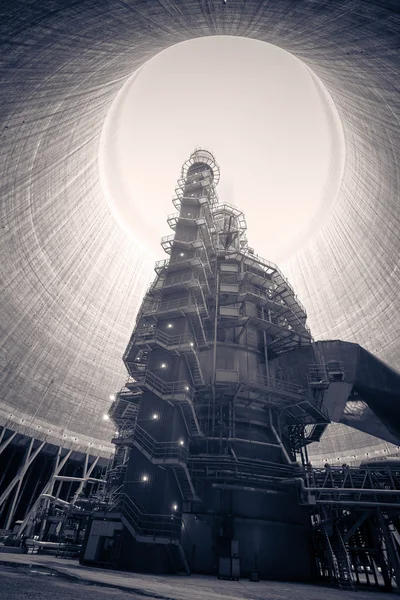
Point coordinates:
[(66, 478), (280, 443), (55, 500), (245, 488), (265, 349), (214, 355), (340, 490), (360, 504), (355, 490), (243, 440)]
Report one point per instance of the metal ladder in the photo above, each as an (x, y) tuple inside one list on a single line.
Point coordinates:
[(195, 369), (340, 562)]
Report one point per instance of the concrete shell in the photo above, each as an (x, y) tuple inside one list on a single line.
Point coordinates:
[(71, 280)]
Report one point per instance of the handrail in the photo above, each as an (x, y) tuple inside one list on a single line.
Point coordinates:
[(169, 304), (205, 182), (276, 275), (273, 318), (148, 524), (180, 391), (204, 174), (147, 335), (126, 395), (177, 238), (130, 398), (178, 303), (278, 384), (228, 206), (177, 260), (266, 381), (201, 198), (241, 468), (182, 278), (177, 215), (164, 388), (269, 295), (238, 214), (156, 449)]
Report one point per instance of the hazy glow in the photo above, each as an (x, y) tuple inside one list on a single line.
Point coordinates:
[(270, 123)]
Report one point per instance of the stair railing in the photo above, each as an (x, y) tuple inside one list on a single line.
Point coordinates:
[(148, 524), (347, 574), (159, 450)]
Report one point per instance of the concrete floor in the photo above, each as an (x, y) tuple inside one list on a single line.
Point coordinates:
[(27, 577)]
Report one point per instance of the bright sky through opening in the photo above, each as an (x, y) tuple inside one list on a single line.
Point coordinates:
[(269, 121)]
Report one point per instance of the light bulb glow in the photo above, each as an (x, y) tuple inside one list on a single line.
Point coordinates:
[(154, 416), (112, 397), (163, 366), (145, 478), (174, 507), (105, 417)]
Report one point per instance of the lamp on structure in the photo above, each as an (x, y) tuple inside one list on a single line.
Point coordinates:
[(144, 479), (154, 417)]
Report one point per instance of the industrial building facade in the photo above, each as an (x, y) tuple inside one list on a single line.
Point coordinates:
[(225, 392)]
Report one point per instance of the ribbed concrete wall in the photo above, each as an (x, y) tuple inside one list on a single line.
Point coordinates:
[(71, 280)]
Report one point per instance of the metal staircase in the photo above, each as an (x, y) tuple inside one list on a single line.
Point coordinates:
[(125, 407), (191, 421), (178, 559), (185, 483), (178, 392), (316, 432), (168, 454), (185, 344), (196, 317), (357, 517), (344, 574), (339, 561), (165, 530), (195, 369)]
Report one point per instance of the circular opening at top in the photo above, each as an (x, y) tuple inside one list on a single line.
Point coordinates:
[(263, 114)]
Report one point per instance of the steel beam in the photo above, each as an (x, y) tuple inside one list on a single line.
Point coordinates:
[(87, 471), (4, 445), (18, 479), (58, 466)]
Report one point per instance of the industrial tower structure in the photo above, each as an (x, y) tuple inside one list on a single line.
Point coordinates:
[(211, 424), (225, 392)]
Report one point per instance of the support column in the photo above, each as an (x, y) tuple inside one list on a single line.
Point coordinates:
[(6, 469), (19, 477), (29, 458), (86, 474), (4, 445), (391, 549), (35, 488), (58, 466)]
